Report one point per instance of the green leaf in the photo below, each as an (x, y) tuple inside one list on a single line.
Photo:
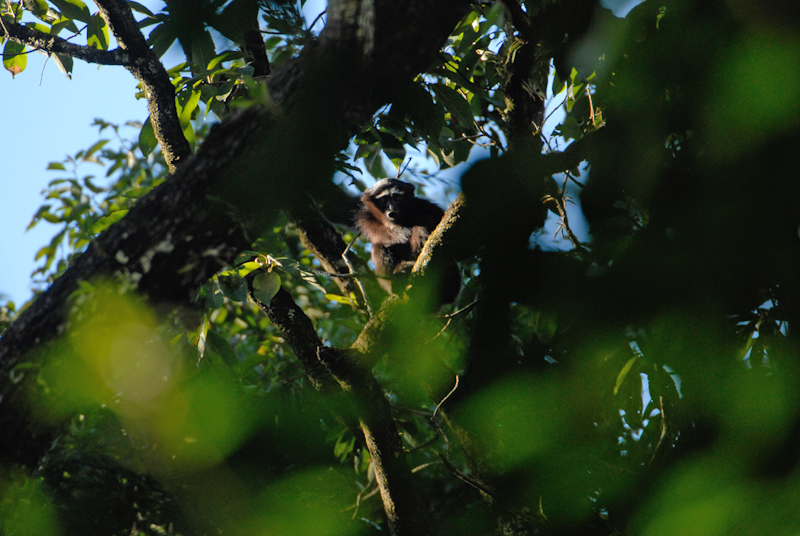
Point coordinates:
[(545, 326), (344, 300), (247, 268), (235, 18), (662, 11), (14, 58), (93, 187), (64, 64), (624, 373), (136, 193), (456, 104), (107, 221), (94, 148), (98, 32), (187, 103), (50, 217), (162, 37), (46, 250), (265, 286), (221, 347), (212, 294), (74, 9), (188, 133), (39, 8), (136, 6), (233, 287), (147, 138)]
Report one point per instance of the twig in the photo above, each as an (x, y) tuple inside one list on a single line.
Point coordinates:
[(425, 466), (324, 12), (355, 276), (564, 223), (403, 169), (439, 405)]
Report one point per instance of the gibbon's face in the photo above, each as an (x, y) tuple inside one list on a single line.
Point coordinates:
[(392, 198), (391, 204)]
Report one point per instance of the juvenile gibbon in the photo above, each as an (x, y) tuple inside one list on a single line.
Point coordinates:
[(397, 223)]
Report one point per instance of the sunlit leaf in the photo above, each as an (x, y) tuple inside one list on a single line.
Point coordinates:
[(46, 250), (344, 300), (247, 268), (107, 221), (14, 58), (187, 103), (98, 32), (624, 373)]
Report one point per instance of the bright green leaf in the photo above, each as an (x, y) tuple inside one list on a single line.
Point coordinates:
[(247, 268), (50, 217), (344, 300), (46, 250), (624, 373), (14, 58), (107, 221), (98, 32), (187, 104)]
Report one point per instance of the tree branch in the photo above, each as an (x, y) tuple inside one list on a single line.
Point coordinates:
[(364, 399), (148, 70), (22, 34)]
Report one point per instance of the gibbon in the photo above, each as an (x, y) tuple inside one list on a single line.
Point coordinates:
[(397, 223)]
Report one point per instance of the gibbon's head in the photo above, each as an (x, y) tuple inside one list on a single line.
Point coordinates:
[(390, 196)]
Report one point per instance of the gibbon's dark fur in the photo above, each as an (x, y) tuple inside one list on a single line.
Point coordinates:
[(397, 223)]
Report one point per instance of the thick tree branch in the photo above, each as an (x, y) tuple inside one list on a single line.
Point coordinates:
[(401, 503), (22, 34), (324, 242), (148, 70), (363, 399)]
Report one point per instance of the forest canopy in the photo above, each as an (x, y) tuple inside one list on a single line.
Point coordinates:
[(210, 351)]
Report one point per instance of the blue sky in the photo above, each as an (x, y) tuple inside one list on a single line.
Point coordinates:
[(47, 116)]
